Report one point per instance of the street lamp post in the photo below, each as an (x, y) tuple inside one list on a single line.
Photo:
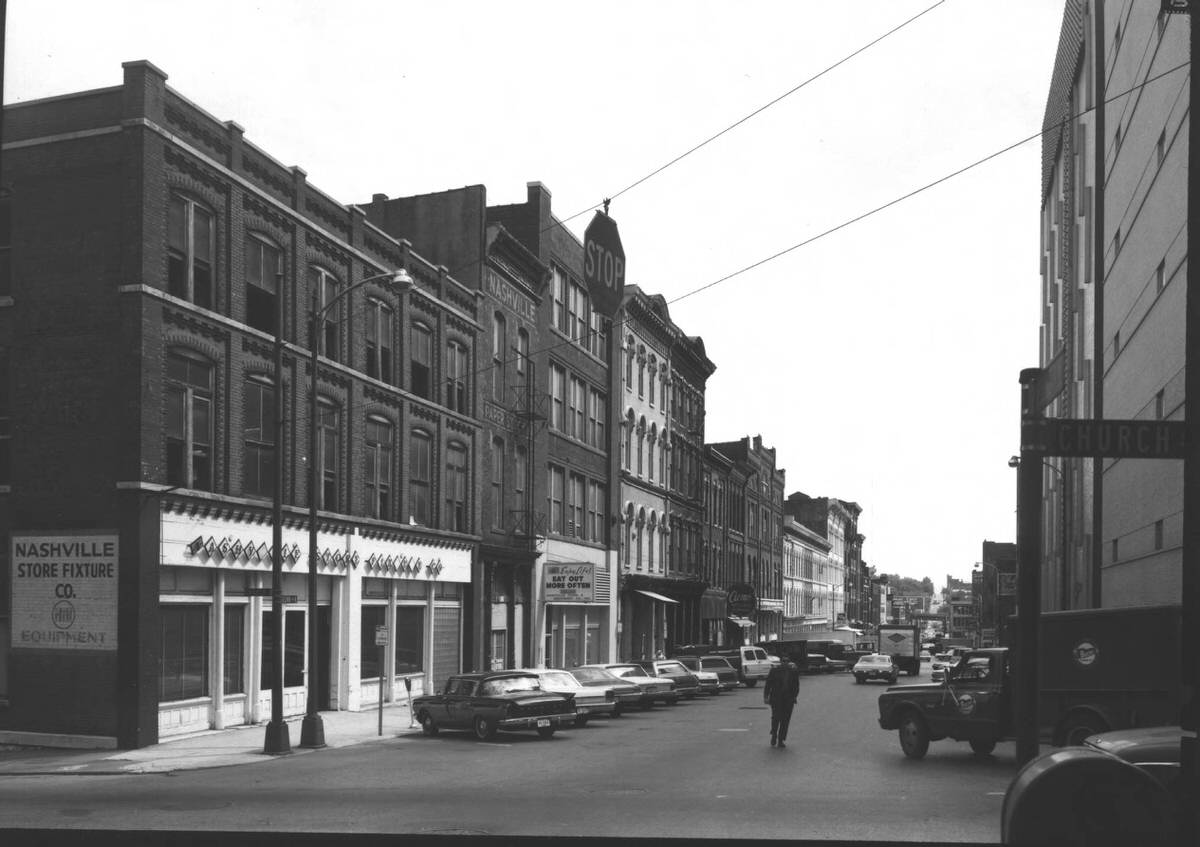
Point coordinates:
[(312, 729), (277, 741)]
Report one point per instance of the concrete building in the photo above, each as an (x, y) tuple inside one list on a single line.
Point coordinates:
[(1113, 260), (837, 522), (152, 250), (808, 586)]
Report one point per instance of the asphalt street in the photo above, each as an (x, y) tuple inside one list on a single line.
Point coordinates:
[(701, 769)]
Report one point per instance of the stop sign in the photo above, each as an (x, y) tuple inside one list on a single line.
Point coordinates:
[(604, 264)]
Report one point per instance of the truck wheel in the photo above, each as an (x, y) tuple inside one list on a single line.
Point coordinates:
[(427, 725), (983, 746), (914, 735), (485, 730), (1078, 727)]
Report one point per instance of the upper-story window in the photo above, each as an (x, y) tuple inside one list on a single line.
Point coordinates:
[(599, 335), (629, 356), (641, 356), (653, 374), (190, 251), (420, 380), (379, 340), (420, 482), (497, 483), (578, 315), (576, 496), (328, 453), (558, 397), (456, 488), (596, 506), (456, 377), (189, 432), (558, 299), (264, 266), (522, 352), (499, 340), (597, 420), (554, 495), (324, 288), (378, 472), (577, 409), (258, 432)]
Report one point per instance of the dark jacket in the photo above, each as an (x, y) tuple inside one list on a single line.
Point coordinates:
[(783, 685)]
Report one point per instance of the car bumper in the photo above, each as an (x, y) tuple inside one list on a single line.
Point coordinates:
[(596, 709), (874, 674), (710, 687), (532, 722)]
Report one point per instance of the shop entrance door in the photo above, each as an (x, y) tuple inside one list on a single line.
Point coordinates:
[(324, 657)]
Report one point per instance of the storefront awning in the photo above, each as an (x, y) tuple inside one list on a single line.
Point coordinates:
[(743, 622), (657, 597)]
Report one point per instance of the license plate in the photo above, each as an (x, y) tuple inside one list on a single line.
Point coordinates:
[(543, 722)]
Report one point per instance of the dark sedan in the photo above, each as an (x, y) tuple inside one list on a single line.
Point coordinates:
[(500, 700), (686, 683), (727, 675), (625, 693)]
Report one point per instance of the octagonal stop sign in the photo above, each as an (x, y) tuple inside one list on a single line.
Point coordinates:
[(604, 264)]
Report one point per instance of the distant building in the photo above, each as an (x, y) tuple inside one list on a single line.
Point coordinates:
[(808, 589)]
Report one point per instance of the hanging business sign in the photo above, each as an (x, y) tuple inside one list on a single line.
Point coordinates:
[(604, 264), (64, 591), (742, 602), (570, 582)]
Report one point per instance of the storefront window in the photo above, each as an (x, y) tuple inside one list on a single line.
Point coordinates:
[(184, 673), (372, 616), (235, 656), (410, 639)]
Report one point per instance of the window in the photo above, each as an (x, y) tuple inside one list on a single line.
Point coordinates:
[(596, 508), (651, 535), (641, 445), (324, 289), (328, 453), (184, 670), (369, 652), (498, 483), (575, 507), (420, 463), (555, 497), (558, 295), (558, 398), (629, 444), (499, 334), (378, 474), (379, 340), (641, 374), (520, 470), (456, 377), (420, 380), (629, 354), (577, 315), (410, 639), (577, 409), (599, 336), (665, 404), (264, 266), (189, 430), (597, 416), (650, 454), (653, 372), (189, 251), (456, 488), (234, 660), (258, 472), (522, 352)]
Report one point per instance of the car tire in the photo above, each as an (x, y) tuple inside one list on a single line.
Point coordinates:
[(1078, 727), (428, 727), (858, 678), (545, 732), (750, 683), (485, 730), (580, 720), (617, 711), (983, 746), (914, 735), (892, 680)]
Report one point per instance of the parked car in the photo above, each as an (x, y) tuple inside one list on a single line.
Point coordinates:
[(654, 689), (710, 683), (588, 701), (497, 700), (876, 666), (1154, 749), (750, 661), (727, 675), (686, 683), (625, 693)]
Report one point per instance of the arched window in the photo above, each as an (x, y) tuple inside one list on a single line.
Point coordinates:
[(652, 535), (328, 453), (323, 287), (264, 266), (629, 356), (641, 443), (650, 450), (628, 533), (641, 371), (653, 374), (420, 477), (190, 249), (189, 430), (378, 471), (641, 531), (629, 441)]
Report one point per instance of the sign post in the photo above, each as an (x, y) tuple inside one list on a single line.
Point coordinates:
[(381, 640)]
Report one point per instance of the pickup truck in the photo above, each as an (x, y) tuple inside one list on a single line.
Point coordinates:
[(750, 661)]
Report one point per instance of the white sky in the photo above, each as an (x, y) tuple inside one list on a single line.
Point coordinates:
[(880, 361)]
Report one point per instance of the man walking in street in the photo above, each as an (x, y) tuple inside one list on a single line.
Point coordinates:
[(780, 691)]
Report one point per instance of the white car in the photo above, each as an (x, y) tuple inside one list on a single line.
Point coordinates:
[(588, 701)]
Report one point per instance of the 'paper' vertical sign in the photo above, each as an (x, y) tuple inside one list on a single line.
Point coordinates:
[(64, 591)]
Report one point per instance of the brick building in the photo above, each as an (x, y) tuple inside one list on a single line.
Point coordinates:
[(151, 250)]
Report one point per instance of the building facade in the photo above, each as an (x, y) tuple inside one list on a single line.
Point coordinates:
[(1113, 259), (156, 256), (807, 591), (837, 522)]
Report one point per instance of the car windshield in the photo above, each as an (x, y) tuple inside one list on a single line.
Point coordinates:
[(716, 663), (672, 667), (876, 660), (628, 670), (559, 679), (509, 684), (592, 675)]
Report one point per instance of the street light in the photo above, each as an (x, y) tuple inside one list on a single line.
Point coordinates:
[(312, 729)]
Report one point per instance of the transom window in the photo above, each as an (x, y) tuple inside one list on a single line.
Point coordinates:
[(264, 266), (189, 428), (190, 251)]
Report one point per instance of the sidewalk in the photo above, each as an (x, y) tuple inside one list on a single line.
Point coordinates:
[(241, 745)]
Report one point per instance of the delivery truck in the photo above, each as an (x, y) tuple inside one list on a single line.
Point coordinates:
[(903, 643)]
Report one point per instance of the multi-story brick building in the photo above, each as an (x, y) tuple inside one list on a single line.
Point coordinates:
[(152, 251), (1113, 222), (661, 430)]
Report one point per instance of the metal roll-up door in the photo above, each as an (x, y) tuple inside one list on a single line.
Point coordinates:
[(447, 625)]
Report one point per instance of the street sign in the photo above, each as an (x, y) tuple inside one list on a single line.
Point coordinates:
[(381, 636), (1108, 439), (604, 264)]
